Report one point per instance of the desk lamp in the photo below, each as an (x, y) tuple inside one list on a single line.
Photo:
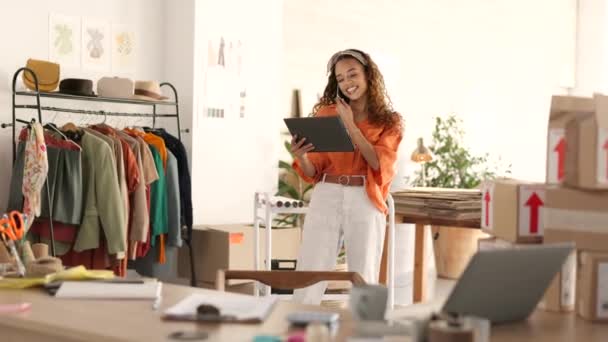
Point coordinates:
[(422, 155)]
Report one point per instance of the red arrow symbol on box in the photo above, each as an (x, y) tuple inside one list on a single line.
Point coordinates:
[(487, 199), (534, 202), (560, 148)]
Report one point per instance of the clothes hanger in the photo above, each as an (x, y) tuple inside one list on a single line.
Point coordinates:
[(54, 128)]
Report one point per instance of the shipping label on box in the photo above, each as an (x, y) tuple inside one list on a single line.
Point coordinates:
[(602, 290), (531, 203), (513, 210), (487, 216), (563, 110), (568, 282), (560, 296), (556, 155)]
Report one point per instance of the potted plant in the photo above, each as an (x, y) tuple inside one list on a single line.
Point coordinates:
[(453, 166)]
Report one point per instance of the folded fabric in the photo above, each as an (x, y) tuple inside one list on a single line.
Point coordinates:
[(74, 273)]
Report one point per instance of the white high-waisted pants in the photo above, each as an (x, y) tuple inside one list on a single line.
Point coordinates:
[(338, 211)]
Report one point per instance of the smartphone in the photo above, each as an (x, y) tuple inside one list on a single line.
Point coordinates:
[(340, 95)]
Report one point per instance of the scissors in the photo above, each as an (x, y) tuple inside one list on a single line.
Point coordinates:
[(12, 228)]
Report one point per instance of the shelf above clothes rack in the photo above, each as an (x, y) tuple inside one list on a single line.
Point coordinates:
[(38, 95), (55, 95)]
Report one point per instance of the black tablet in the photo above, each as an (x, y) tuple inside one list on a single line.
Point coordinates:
[(326, 133)]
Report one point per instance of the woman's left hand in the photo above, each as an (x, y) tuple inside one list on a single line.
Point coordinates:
[(345, 112)]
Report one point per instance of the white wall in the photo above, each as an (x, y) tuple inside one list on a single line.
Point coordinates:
[(25, 35), (234, 157), (178, 59), (493, 63), (592, 48)]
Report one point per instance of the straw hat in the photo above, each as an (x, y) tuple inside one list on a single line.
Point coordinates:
[(148, 90)]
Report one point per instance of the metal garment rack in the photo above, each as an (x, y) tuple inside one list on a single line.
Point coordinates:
[(187, 231)]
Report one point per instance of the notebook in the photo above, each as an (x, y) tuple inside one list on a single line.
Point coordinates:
[(231, 306), (105, 290)]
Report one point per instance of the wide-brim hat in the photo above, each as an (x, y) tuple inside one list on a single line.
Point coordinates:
[(76, 86), (148, 91)]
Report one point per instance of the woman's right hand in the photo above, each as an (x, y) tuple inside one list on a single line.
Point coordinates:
[(299, 148)]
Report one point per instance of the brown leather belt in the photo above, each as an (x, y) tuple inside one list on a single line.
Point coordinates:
[(346, 180)]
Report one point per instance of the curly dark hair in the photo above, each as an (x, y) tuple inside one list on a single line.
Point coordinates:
[(379, 104)]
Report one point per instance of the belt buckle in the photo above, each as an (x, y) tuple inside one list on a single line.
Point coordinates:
[(341, 177)]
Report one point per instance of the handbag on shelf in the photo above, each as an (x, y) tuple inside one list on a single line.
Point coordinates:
[(46, 72)]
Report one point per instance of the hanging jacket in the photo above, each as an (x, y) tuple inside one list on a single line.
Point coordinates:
[(104, 208)]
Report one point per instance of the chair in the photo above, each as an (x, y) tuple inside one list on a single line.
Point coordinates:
[(286, 280)]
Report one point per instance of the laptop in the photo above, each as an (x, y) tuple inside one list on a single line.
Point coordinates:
[(506, 285)]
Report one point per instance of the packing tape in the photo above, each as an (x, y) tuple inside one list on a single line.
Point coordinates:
[(575, 220), (44, 266)]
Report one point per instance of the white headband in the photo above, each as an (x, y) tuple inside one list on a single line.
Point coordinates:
[(351, 53)]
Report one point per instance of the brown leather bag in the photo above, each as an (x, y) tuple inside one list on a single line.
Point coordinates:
[(46, 72)]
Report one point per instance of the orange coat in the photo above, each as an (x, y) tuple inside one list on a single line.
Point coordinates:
[(385, 142)]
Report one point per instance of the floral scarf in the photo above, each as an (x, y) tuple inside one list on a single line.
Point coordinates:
[(35, 171)]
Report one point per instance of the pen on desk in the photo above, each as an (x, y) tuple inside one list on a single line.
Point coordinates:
[(158, 298)]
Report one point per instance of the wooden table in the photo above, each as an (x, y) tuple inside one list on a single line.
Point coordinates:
[(419, 247), (53, 319)]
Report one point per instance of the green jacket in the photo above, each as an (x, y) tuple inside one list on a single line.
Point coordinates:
[(103, 204)]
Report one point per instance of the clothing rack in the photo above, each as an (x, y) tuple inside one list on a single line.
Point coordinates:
[(186, 231)]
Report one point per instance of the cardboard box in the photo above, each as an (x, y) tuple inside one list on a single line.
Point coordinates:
[(577, 216), (587, 148), (592, 286), (561, 294), (231, 247), (513, 210), (563, 110)]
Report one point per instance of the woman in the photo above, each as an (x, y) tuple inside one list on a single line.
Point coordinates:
[(348, 200)]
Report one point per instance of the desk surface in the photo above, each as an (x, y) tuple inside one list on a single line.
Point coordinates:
[(52, 319)]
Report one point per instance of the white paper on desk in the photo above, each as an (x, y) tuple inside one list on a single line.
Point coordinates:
[(241, 307), (104, 290)]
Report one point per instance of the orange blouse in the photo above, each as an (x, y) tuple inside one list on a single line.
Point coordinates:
[(385, 141)]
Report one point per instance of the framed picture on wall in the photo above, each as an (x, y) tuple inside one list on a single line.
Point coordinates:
[(64, 40), (124, 49), (95, 45)]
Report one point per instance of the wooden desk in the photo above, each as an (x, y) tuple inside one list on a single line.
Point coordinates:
[(52, 319), (419, 247), (551, 327)]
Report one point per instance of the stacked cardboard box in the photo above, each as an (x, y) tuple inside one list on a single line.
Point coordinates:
[(576, 205), (513, 212)]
